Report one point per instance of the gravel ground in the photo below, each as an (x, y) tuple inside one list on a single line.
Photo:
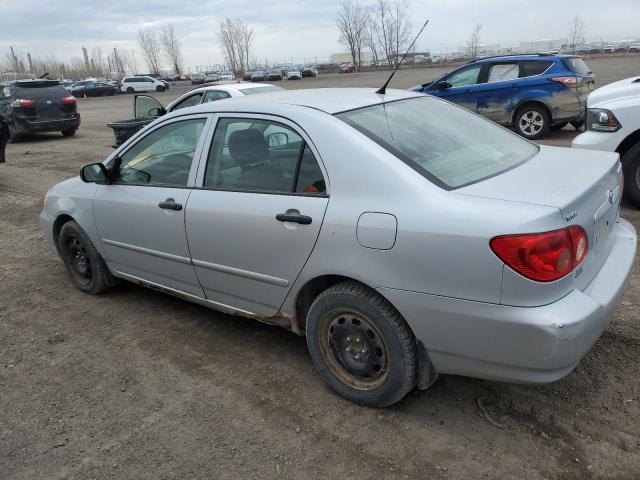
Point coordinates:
[(137, 384)]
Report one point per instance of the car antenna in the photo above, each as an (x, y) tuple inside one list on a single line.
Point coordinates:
[(383, 89)]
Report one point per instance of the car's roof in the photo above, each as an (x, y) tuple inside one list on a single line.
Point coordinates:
[(329, 100), (523, 56), (231, 85)]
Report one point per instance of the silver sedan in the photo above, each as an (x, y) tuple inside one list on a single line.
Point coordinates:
[(403, 235)]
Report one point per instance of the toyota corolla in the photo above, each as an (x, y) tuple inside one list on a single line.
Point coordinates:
[(404, 236)]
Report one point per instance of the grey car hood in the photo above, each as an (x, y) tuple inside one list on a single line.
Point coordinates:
[(555, 177)]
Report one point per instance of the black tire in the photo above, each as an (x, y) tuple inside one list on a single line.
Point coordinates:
[(558, 126), (15, 138), (361, 345), (70, 132), (83, 262), (631, 170), (129, 90), (160, 89), (532, 122)]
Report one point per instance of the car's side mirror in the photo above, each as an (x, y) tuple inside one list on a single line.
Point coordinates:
[(277, 139), (442, 85), (94, 173)]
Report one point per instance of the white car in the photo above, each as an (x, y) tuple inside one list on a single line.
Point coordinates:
[(142, 84), (294, 75), (148, 107), (613, 125), (226, 75)]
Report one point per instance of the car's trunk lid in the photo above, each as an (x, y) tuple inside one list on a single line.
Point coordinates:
[(47, 100), (584, 185)]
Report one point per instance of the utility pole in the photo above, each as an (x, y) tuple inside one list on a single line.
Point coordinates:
[(86, 58), (30, 62)]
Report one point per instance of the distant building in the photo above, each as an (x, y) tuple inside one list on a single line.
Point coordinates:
[(543, 45), (483, 50), (347, 58)]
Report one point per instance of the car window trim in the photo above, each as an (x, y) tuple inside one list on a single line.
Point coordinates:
[(197, 154), (200, 175)]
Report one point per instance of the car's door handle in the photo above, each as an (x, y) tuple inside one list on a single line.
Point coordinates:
[(294, 217), (170, 204)]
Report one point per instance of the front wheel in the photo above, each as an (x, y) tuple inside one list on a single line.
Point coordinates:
[(532, 122), (160, 89), (70, 132), (361, 346), (83, 262), (631, 170), (129, 90)]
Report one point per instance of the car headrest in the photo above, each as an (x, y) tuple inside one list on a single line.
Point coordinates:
[(248, 146)]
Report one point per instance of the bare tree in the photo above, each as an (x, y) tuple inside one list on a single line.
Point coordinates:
[(236, 39), (474, 41), (576, 32), (171, 46), (150, 46), (392, 25), (369, 40), (352, 24)]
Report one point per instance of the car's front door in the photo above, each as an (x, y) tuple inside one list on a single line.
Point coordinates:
[(140, 215), (253, 223), (459, 87), (497, 95)]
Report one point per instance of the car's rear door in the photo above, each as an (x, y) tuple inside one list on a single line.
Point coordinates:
[(140, 216), (254, 221), (496, 95)]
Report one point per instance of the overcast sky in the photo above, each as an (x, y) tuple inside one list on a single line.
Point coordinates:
[(288, 28)]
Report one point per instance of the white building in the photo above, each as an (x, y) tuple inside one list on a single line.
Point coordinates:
[(543, 45)]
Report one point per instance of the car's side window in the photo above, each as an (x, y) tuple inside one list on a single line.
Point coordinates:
[(261, 156), (464, 77), (214, 95), (194, 99), (164, 156), (530, 68), (501, 72)]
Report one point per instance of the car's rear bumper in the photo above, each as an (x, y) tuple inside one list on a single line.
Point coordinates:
[(25, 126), (519, 344)]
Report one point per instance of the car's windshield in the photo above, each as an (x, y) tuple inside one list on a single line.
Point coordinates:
[(446, 144), (265, 89)]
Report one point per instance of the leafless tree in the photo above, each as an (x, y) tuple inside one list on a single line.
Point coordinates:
[(392, 25), (369, 40), (150, 45), (474, 41), (576, 32), (236, 39), (171, 46), (352, 25)]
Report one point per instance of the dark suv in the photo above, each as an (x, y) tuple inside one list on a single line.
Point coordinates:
[(531, 93), (38, 106)]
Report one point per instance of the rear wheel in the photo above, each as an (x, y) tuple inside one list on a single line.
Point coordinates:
[(532, 122), (70, 132), (631, 170), (83, 262), (360, 344), (129, 90)]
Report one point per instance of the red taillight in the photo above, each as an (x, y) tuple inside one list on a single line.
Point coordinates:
[(543, 257), (569, 82), (22, 102), (70, 100)]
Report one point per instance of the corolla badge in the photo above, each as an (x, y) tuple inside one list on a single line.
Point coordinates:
[(611, 196)]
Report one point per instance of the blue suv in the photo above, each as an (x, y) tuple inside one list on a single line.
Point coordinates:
[(531, 93)]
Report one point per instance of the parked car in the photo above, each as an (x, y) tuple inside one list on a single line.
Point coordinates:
[(347, 68), (294, 74), (92, 89), (258, 76), (402, 244), (212, 77), (197, 79), (530, 93), (37, 106), (67, 83), (226, 75), (274, 74), (247, 76), (309, 71), (613, 125), (142, 84)]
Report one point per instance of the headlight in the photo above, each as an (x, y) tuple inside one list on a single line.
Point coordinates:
[(602, 120)]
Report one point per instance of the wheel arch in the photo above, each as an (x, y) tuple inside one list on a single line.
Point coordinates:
[(57, 226), (533, 102), (629, 141)]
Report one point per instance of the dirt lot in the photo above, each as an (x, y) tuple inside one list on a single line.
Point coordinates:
[(137, 384)]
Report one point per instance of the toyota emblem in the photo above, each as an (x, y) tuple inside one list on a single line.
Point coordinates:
[(610, 196)]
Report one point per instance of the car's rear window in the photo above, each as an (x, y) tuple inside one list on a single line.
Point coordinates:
[(254, 90), (577, 65), (529, 68), (41, 90), (446, 144)]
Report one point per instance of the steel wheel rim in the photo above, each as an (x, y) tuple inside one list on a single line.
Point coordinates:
[(531, 122), (78, 261), (354, 349)]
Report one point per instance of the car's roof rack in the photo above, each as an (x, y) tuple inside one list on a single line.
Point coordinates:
[(515, 55)]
